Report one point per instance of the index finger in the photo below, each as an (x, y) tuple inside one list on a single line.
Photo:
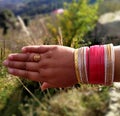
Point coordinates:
[(38, 49), (24, 57)]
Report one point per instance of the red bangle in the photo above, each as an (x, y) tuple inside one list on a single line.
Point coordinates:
[(92, 67), (96, 65), (102, 66)]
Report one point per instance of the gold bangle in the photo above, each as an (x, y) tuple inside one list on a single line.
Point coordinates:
[(109, 64), (76, 65), (82, 65)]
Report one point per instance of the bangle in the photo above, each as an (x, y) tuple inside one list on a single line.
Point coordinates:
[(109, 64), (76, 65), (93, 64), (83, 64), (96, 65), (86, 60), (102, 65)]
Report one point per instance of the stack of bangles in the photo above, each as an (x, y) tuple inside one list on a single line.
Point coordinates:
[(95, 65)]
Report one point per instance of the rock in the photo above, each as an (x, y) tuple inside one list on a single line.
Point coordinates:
[(108, 28), (114, 103), (117, 85), (110, 22)]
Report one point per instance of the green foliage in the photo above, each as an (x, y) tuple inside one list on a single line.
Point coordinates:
[(3, 71), (97, 100), (91, 101), (77, 20), (8, 86)]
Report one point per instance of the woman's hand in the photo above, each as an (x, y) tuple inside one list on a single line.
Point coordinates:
[(54, 69)]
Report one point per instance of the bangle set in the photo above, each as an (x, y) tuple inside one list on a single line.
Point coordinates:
[(95, 65)]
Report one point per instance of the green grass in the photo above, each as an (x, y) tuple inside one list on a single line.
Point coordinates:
[(15, 100), (7, 87), (83, 101)]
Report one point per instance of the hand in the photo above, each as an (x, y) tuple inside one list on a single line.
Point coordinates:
[(55, 68)]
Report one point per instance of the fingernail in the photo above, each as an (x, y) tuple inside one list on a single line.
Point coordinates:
[(10, 57), (10, 70), (23, 49), (5, 62)]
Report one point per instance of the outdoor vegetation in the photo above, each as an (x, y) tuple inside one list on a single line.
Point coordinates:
[(74, 28)]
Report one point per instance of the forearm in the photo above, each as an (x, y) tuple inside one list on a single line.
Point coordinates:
[(117, 64)]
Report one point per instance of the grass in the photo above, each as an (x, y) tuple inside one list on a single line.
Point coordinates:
[(8, 85), (83, 101), (24, 98), (72, 102), (9, 94)]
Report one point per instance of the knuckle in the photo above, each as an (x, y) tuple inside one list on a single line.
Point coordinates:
[(11, 64), (55, 47), (43, 64), (49, 72), (41, 57), (39, 48), (25, 66), (28, 57), (42, 73), (27, 75), (49, 54)]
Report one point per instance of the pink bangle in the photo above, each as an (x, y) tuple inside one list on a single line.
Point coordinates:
[(96, 65), (102, 65), (92, 64)]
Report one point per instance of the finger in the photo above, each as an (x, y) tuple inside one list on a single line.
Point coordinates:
[(34, 76), (30, 66), (46, 85), (38, 49), (23, 57), (18, 56)]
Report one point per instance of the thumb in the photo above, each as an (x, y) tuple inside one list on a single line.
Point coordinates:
[(45, 86)]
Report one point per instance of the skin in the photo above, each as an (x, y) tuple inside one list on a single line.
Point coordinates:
[(55, 68)]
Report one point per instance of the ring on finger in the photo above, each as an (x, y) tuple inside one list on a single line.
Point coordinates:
[(36, 58)]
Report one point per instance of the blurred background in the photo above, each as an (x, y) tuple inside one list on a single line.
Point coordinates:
[(73, 23)]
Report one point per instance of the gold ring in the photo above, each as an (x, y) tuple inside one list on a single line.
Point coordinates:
[(36, 58)]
